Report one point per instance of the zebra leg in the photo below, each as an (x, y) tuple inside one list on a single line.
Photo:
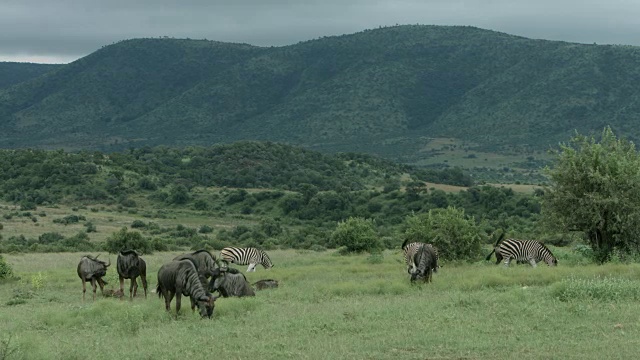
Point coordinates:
[(252, 267), (507, 261), (533, 262)]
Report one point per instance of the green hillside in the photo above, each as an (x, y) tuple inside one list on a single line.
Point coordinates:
[(12, 73), (387, 91)]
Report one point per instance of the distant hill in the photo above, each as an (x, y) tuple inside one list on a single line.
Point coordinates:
[(12, 73), (383, 91)]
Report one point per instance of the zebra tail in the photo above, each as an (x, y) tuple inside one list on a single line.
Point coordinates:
[(404, 243), (489, 256), (499, 239)]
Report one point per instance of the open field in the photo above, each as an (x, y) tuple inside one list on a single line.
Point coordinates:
[(334, 307)]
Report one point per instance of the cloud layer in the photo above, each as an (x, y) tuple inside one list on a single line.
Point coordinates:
[(64, 30)]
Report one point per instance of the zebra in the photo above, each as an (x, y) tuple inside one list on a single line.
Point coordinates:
[(244, 256), (426, 260), (530, 251), (410, 249)]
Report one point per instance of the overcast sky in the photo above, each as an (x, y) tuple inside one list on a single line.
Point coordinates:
[(61, 31)]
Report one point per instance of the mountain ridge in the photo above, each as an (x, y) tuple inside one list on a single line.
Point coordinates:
[(354, 92)]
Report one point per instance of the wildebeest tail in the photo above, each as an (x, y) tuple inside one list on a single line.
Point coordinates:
[(159, 290)]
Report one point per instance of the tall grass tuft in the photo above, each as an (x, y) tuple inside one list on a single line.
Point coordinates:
[(610, 289)]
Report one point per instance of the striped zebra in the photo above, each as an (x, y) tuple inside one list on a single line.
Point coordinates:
[(530, 251), (244, 256), (410, 249)]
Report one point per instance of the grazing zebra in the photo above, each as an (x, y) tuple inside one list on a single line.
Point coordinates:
[(410, 250), (530, 251), (426, 261), (244, 256)]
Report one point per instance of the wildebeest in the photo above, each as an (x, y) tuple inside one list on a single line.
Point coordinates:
[(180, 277), (425, 260), (91, 269), (130, 265), (265, 284), (230, 282), (205, 262)]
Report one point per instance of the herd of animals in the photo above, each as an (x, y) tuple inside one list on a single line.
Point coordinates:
[(197, 275), (200, 274)]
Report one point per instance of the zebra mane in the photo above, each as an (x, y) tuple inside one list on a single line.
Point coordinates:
[(545, 248)]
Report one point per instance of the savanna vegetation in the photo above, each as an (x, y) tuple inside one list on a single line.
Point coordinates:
[(333, 306), (333, 225)]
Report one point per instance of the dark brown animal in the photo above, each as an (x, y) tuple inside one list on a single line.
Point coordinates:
[(204, 261), (130, 266), (426, 260), (180, 277), (230, 282), (91, 269), (265, 284)]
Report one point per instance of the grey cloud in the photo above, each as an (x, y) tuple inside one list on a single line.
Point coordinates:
[(74, 28)]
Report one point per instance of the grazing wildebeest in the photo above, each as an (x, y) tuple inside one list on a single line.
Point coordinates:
[(180, 277), (425, 260), (409, 250), (205, 262), (265, 284), (91, 269), (230, 282), (130, 265)]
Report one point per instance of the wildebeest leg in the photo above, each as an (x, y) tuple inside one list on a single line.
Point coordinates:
[(133, 288), (101, 283), (93, 286), (121, 285), (178, 298), (84, 288), (252, 267), (144, 284), (168, 296)]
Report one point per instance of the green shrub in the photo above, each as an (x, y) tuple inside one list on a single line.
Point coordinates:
[(6, 272), (456, 235), (356, 235), (125, 240)]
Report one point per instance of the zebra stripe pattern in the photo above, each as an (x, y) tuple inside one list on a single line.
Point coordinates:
[(410, 251), (246, 256), (530, 251)]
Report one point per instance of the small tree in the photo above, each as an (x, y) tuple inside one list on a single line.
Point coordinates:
[(456, 235), (6, 272), (595, 189), (356, 235), (128, 240)]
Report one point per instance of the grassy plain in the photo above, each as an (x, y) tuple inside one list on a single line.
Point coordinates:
[(334, 307)]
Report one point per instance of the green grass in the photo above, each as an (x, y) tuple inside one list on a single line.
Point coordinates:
[(333, 307)]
